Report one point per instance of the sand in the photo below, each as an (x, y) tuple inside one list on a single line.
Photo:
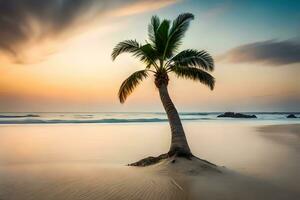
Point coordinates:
[(184, 179), (181, 180)]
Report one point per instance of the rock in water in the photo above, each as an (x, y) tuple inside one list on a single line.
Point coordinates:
[(291, 116), (236, 115)]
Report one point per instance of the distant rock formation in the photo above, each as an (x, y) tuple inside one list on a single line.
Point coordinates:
[(236, 115), (291, 116)]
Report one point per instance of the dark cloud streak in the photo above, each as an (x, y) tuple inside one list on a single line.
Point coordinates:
[(21, 20), (53, 16), (270, 52)]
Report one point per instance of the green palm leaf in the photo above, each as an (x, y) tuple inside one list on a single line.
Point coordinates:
[(195, 74), (179, 27), (194, 58), (152, 29), (127, 46), (130, 84), (147, 54), (144, 52), (161, 37)]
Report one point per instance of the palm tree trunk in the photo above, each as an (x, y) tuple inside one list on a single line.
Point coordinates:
[(179, 145)]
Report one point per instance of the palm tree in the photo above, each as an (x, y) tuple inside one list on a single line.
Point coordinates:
[(160, 56)]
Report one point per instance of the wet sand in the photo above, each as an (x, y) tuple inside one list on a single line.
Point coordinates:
[(41, 165)]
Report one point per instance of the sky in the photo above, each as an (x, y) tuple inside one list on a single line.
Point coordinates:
[(55, 55)]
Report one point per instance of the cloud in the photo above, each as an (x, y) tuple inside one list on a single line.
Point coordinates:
[(270, 52), (141, 6), (27, 22)]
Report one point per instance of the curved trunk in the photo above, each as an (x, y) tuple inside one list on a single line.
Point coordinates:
[(179, 145)]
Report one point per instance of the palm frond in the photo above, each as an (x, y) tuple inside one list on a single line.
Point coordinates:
[(127, 46), (146, 54), (194, 58), (161, 37), (143, 52), (195, 74), (130, 84), (152, 29), (179, 27)]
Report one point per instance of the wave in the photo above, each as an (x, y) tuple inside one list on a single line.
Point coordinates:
[(195, 113), (272, 113), (74, 121), (84, 116), (18, 116), (189, 113)]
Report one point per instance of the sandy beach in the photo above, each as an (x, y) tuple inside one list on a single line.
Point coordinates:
[(254, 161)]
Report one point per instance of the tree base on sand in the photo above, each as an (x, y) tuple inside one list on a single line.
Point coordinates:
[(154, 160)]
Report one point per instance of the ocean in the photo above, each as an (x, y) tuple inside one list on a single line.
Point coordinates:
[(130, 117)]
